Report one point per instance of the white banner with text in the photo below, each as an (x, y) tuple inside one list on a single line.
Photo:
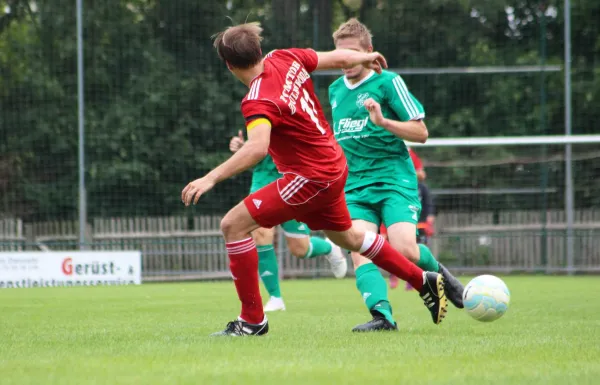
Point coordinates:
[(70, 268)]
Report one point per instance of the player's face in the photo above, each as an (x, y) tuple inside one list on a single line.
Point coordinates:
[(353, 43)]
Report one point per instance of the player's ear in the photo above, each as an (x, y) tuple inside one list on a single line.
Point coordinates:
[(370, 49)]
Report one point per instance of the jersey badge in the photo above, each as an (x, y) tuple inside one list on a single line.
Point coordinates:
[(360, 99)]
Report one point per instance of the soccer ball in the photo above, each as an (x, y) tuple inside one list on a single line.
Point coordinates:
[(486, 298)]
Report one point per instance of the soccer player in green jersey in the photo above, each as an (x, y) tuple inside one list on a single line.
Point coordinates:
[(372, 116), (297, 235)]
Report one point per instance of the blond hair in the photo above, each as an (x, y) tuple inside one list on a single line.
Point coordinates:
[(239, 45), (354, 29)]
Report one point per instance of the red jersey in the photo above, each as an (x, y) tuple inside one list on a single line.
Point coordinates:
[(415, 159), (302, 142)]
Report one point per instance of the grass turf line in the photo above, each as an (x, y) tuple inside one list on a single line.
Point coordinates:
[(157, 334)]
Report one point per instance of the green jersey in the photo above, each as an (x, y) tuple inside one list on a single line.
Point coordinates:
[(264, 173), (374, 154), (267, 167)]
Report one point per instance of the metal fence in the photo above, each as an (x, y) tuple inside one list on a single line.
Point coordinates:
[(108, 108), (175, 248)]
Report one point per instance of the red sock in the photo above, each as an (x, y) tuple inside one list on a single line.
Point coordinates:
[(243, 263), (385, 256)]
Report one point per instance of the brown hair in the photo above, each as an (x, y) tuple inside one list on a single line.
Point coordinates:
[(239, 45), (354, 29)]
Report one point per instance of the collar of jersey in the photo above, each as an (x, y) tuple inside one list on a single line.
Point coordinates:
[(356, 85)]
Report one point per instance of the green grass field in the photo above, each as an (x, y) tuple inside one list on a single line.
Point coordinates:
[(157, 334)]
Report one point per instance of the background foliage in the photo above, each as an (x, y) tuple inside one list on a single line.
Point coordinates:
[(160, 107)]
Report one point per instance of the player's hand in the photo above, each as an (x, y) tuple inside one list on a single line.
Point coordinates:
[(375, 114), (375, 61), (194, 190), (236, 142)]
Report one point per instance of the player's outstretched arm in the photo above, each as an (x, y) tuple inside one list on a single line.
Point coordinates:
[(253, 151), (346, 58)]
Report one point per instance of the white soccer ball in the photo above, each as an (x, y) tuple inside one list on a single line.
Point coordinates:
[(486, 298)]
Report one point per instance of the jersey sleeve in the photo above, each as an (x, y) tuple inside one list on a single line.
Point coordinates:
[(401, 101), (415, 159), (307, 57), (255, 110)]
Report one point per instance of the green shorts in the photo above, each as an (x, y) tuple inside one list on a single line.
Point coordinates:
[(293, 228), (385, 203)]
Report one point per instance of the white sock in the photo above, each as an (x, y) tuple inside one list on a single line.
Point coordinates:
[(370, 238)]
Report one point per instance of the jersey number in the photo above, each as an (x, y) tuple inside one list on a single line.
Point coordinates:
[(310, 110)]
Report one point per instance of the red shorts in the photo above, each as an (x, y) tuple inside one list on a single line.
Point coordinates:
[(321, 205)]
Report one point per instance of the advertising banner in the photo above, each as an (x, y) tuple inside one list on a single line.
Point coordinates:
[(70, 268)]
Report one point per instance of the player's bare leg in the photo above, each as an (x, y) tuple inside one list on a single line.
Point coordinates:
[(402, 238), (243, 262), (371, 285), (394, 281), (306, 247), (374, 247), (398, 237), (298, 246), (301, 245)]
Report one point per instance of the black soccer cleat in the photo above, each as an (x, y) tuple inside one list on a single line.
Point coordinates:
[(239, 328), (433, 296), (377, 324), (452, 286)]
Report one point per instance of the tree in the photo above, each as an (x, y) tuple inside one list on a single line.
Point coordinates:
[(160, 106)]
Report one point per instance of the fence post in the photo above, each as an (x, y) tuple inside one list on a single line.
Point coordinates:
[(80, 104), (544, 171), (569, 193)]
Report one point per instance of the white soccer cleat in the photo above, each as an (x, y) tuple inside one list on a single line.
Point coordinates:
[(339, 264), (274, 304)]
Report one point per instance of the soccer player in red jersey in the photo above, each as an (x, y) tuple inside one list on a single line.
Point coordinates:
[(284, 119)]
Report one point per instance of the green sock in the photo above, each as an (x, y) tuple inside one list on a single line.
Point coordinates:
[(427, 261), (373, 289), (268, 269), (317, 246)]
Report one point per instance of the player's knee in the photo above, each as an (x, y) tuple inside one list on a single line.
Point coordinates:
[(228, 225), (298, 246)]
